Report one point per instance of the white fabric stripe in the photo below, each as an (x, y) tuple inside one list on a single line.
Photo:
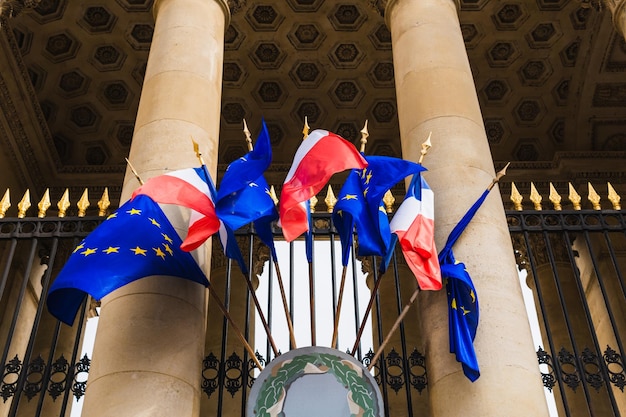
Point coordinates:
[(191, 176), (307, 144), (428, 203), (407, 212)]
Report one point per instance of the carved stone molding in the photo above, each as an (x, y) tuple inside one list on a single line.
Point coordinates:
[(618, 11), (235, 5), (11, 8)]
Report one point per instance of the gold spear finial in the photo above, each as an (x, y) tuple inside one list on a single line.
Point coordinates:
[(425, 147), (132, 169), (23, 205), (516, 197), (330, 200), (364, 135), (593, 197), (247, 133), (498, 177), (196, 149), (535, 197), (273, 195), (574, 197), (83, 204), (312, 203), (64, 203), (306, 128), (44, 204), (388, 200), (104, 203), (5, 203), (555, 198), (614, 198)]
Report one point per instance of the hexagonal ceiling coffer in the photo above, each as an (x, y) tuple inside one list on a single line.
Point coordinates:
[(306, 36), (381, 37), (570, 53), (307, 74), (502, 54), (510, 16), (384, 111), (495, 92), (529, 111), (135, 5), (234, 74), (381, 74), (270, 94), (527, 150), (37, 76), (61, 47), (349, 130), (96, 153), (561, 92), (551, 4), (107, 58), (123, 132), (49, 110), (276, 132), (384, 148), (233, 112), (85, 118), (580, 17), (232, 153), (139, 36), (496, 130), (346, 93), (73, 83), (310, 109), (115, 95), (63, 147), (139, 72), (49, 10), (471, 35), (23, 38), (233, 38), (535, 72), (97, 19), (544, 35), (264, 18), (557, 131), (267, 55), (305, 5), (347, 17), (346, 55)]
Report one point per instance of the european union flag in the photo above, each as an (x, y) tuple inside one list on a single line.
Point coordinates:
[(360, 204), (244, 195), (134, 242), (463, 309)]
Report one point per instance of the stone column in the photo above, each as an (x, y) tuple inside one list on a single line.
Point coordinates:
[(149, 347), (618, 11), (435, 92)]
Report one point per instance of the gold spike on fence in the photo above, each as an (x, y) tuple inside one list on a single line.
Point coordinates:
[(62, 205), (593, 197), (330, 200)]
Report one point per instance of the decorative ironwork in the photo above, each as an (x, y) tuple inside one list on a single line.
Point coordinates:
[(566, 361), (548, 379), (611, 357), (395, 371), (9, 379), (81, 369), (58, 377), (417, 371), (232, 374), (590, 362), (252, 366), (34, 377), (210, 374), (367, 360)]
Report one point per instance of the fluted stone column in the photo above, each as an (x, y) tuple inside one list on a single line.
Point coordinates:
[(435, 92), (147, 359)]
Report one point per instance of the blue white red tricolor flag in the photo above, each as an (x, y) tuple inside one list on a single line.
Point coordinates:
[(320, 155), (414, 224), (188, 188)]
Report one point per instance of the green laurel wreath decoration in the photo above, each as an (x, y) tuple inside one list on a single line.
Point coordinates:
[(273, 386)]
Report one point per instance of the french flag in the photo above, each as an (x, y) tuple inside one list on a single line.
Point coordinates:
[(414, 225), (319, 156), (188, 188)]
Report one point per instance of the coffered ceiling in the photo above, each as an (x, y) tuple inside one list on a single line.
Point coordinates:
[(550, 77)]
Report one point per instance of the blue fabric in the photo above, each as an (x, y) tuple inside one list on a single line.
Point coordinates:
[(134, 242), (308, 235), (463, 310), (360, 205), (244, 196)]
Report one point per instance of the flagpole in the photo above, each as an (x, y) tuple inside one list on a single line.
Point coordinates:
[(235, 327), (405, 310), (364, 135), (425, 147), (132, 169)]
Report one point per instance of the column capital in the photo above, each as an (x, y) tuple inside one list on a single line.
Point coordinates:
[(618, 12), (384, 7), (11, 8)]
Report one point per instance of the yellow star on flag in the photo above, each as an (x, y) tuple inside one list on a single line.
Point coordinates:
[(89, 251), (158, 252), (111, 250), (112, 216), (139, 251), (166, 237), (350, 197), (133, 211), (154, 222), (79, 247), (168, 249)]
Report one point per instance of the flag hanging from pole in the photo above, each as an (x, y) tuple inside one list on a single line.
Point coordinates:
[(413, 223), (319, 156), (136, 241)]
